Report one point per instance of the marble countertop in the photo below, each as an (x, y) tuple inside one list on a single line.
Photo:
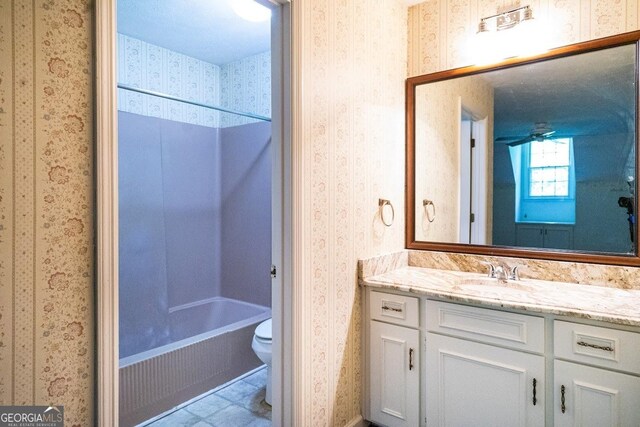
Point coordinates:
[(560, 298)]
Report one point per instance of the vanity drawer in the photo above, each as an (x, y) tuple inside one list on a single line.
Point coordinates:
[(518, 331), (398, 309), (609, 348)]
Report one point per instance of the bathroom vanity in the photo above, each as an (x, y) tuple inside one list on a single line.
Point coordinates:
[(460, 349), (451, 348)]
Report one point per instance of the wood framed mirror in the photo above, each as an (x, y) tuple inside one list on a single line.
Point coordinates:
[(532, 157)]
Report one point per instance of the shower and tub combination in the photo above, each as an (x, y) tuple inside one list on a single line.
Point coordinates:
[(195, 237), (195, 199)]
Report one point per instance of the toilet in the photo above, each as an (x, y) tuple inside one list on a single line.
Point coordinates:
[(262, 347)]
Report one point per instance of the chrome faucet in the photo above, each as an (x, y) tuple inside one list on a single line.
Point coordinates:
[(492, 270), (502, 271)]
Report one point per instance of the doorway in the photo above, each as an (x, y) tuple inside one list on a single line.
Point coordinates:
[(108, 215), (473, 178)]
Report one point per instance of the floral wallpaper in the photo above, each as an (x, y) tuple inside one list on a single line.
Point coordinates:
[(439, 30), (350, 123), (146, 66), (349, 151), (47, 206), (437, 136), (243, 85), (7, 301)]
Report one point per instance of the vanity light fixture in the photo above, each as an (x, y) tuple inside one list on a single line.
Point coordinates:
[(508, 34), (507, 20)]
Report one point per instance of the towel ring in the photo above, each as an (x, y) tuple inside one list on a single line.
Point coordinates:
[(382, 203), (426, 203)]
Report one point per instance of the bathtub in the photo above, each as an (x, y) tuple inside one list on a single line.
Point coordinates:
[(210, 344)]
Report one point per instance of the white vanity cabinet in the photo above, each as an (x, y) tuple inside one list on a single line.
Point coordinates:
[(471, 383), (595, 396), (394, 360), (489, 367)]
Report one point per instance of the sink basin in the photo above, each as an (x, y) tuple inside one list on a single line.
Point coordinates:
[(488, 281), (493, 290), (486, 286)]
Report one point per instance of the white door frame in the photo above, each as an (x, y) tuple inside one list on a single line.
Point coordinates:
[(476, 232), (107, 214), (479, 202), (281, 299), (466, 179)]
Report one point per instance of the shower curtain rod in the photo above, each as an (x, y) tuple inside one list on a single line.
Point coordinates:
[(186, 101)]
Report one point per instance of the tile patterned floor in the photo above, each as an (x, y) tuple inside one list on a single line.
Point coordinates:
[(239, 404)]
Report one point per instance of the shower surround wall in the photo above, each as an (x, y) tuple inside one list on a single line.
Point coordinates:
[(195, 251), (246, 212), (195, 187), (195, 221), (169, 224)]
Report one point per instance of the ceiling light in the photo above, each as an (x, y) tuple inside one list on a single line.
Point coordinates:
[(250, 10)]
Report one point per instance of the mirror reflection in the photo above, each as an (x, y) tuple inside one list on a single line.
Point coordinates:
[(539, 155)]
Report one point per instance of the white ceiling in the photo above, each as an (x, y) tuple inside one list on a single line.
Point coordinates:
[(590, 97), (588, 94), (208, 30)]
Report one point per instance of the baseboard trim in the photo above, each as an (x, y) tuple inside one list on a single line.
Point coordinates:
[(357, 422)]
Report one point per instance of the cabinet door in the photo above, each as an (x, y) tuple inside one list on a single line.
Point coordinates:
[(530, 236), (544, 236), (594, 397), (472, 384), (558, 237), (394, 375)]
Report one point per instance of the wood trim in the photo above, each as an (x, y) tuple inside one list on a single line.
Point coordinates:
[(281, 206), (277, 194), (273, 3), (300, 228), (287, 303), (107, 215), (556, 255), (357, 422), (583, 47), (410, 175), (107, 386)]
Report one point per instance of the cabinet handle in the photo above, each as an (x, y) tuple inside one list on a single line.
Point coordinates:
[(599, 347), (562, 403), (535, 382), (385, 307), (410, 359)]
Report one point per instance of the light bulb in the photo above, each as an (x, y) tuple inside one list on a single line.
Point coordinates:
[(484, 48), (533, 38)]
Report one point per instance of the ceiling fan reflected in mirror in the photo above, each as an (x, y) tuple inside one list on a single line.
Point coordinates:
[(540, 132)]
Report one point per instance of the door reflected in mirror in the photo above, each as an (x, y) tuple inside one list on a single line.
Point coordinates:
[(540, 155)]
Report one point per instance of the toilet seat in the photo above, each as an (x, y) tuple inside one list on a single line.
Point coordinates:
[(263, 331), (262, 341)]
